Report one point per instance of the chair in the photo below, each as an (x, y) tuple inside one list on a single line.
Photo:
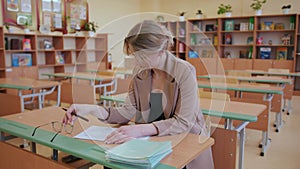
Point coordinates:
[(239, 73), (212, 96), (224, 80), (272, 70)]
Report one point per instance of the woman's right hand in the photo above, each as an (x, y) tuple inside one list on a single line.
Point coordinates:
[(84, 109)]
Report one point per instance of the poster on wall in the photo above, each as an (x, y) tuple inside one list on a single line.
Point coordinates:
[(26, 6), (13, 5), (46, 6)]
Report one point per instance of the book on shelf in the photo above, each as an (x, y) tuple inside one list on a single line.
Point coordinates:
[(229, 25), (26, 44), (21, 59), (59, 58), (265, 52), (267, 25), (244, 26), (193, 54), (47, 44), (250, 40), (15, 44), (139, 153), (207, 54), (281, 53), (209, 27), (228, 39)]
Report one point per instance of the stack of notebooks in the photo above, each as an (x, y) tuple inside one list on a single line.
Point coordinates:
[(139, 153)]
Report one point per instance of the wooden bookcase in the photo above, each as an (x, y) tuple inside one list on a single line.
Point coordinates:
[(2, 57), (179, 32), (231, 43), (297, 55), (66, 53)]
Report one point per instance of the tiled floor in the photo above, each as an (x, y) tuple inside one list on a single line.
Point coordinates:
[(283, 152)]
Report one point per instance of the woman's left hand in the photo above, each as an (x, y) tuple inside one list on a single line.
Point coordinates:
[(126, 133)]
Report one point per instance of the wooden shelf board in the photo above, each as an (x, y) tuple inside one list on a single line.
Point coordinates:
[(13, 51), (273, 31), (237, 31), (274, 45)]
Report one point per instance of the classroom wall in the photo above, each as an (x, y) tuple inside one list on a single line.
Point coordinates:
[(210, 7), (118, 16), (118, 9)]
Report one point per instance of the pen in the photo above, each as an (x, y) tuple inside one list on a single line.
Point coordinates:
[(73, 113)]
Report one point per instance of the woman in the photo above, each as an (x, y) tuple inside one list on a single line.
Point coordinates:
[(162, 97)]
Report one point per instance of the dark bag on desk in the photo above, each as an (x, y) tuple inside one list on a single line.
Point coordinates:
[(15, 44)]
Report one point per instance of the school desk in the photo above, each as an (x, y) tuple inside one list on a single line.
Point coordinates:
[(271, 95), (39, 88), (23, 124), (94, 79), (244, 112), (125, 72), (261, 72), (286, 84)]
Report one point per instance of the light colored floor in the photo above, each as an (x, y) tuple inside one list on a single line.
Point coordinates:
[(283, 152)]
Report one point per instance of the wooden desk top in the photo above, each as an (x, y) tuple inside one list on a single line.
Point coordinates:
[(26, 84), (218, 108), (80, 75), (261, 72), (192, 145), (261, 79), (241, 87), (117, 71), (231, 109)]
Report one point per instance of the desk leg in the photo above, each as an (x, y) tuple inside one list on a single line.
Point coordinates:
[(241, 150), (241, 130), (265, 143), (278, 121), (22, 100), (33, 147), (289, 102), (54, 155), (2, 136)]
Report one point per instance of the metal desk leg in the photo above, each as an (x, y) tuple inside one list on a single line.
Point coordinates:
[(33, 147), (264, 143), (289, 102), (241, 150), (22, 100), (241, 130), (55, 155), (278, 121)]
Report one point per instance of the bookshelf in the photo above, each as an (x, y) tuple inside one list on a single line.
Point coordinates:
[(53, 54), (239, 43), (297, 55), (179, 32), (2, 57)]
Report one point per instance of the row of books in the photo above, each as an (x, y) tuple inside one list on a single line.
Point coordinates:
[(281, 53)]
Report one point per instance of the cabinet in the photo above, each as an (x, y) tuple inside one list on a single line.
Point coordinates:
[(275, 39), (2, 58), (244, 42), (52, 53), (297, 60), (178, 30)]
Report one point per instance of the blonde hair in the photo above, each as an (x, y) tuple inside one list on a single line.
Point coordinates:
[(148, 35)]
